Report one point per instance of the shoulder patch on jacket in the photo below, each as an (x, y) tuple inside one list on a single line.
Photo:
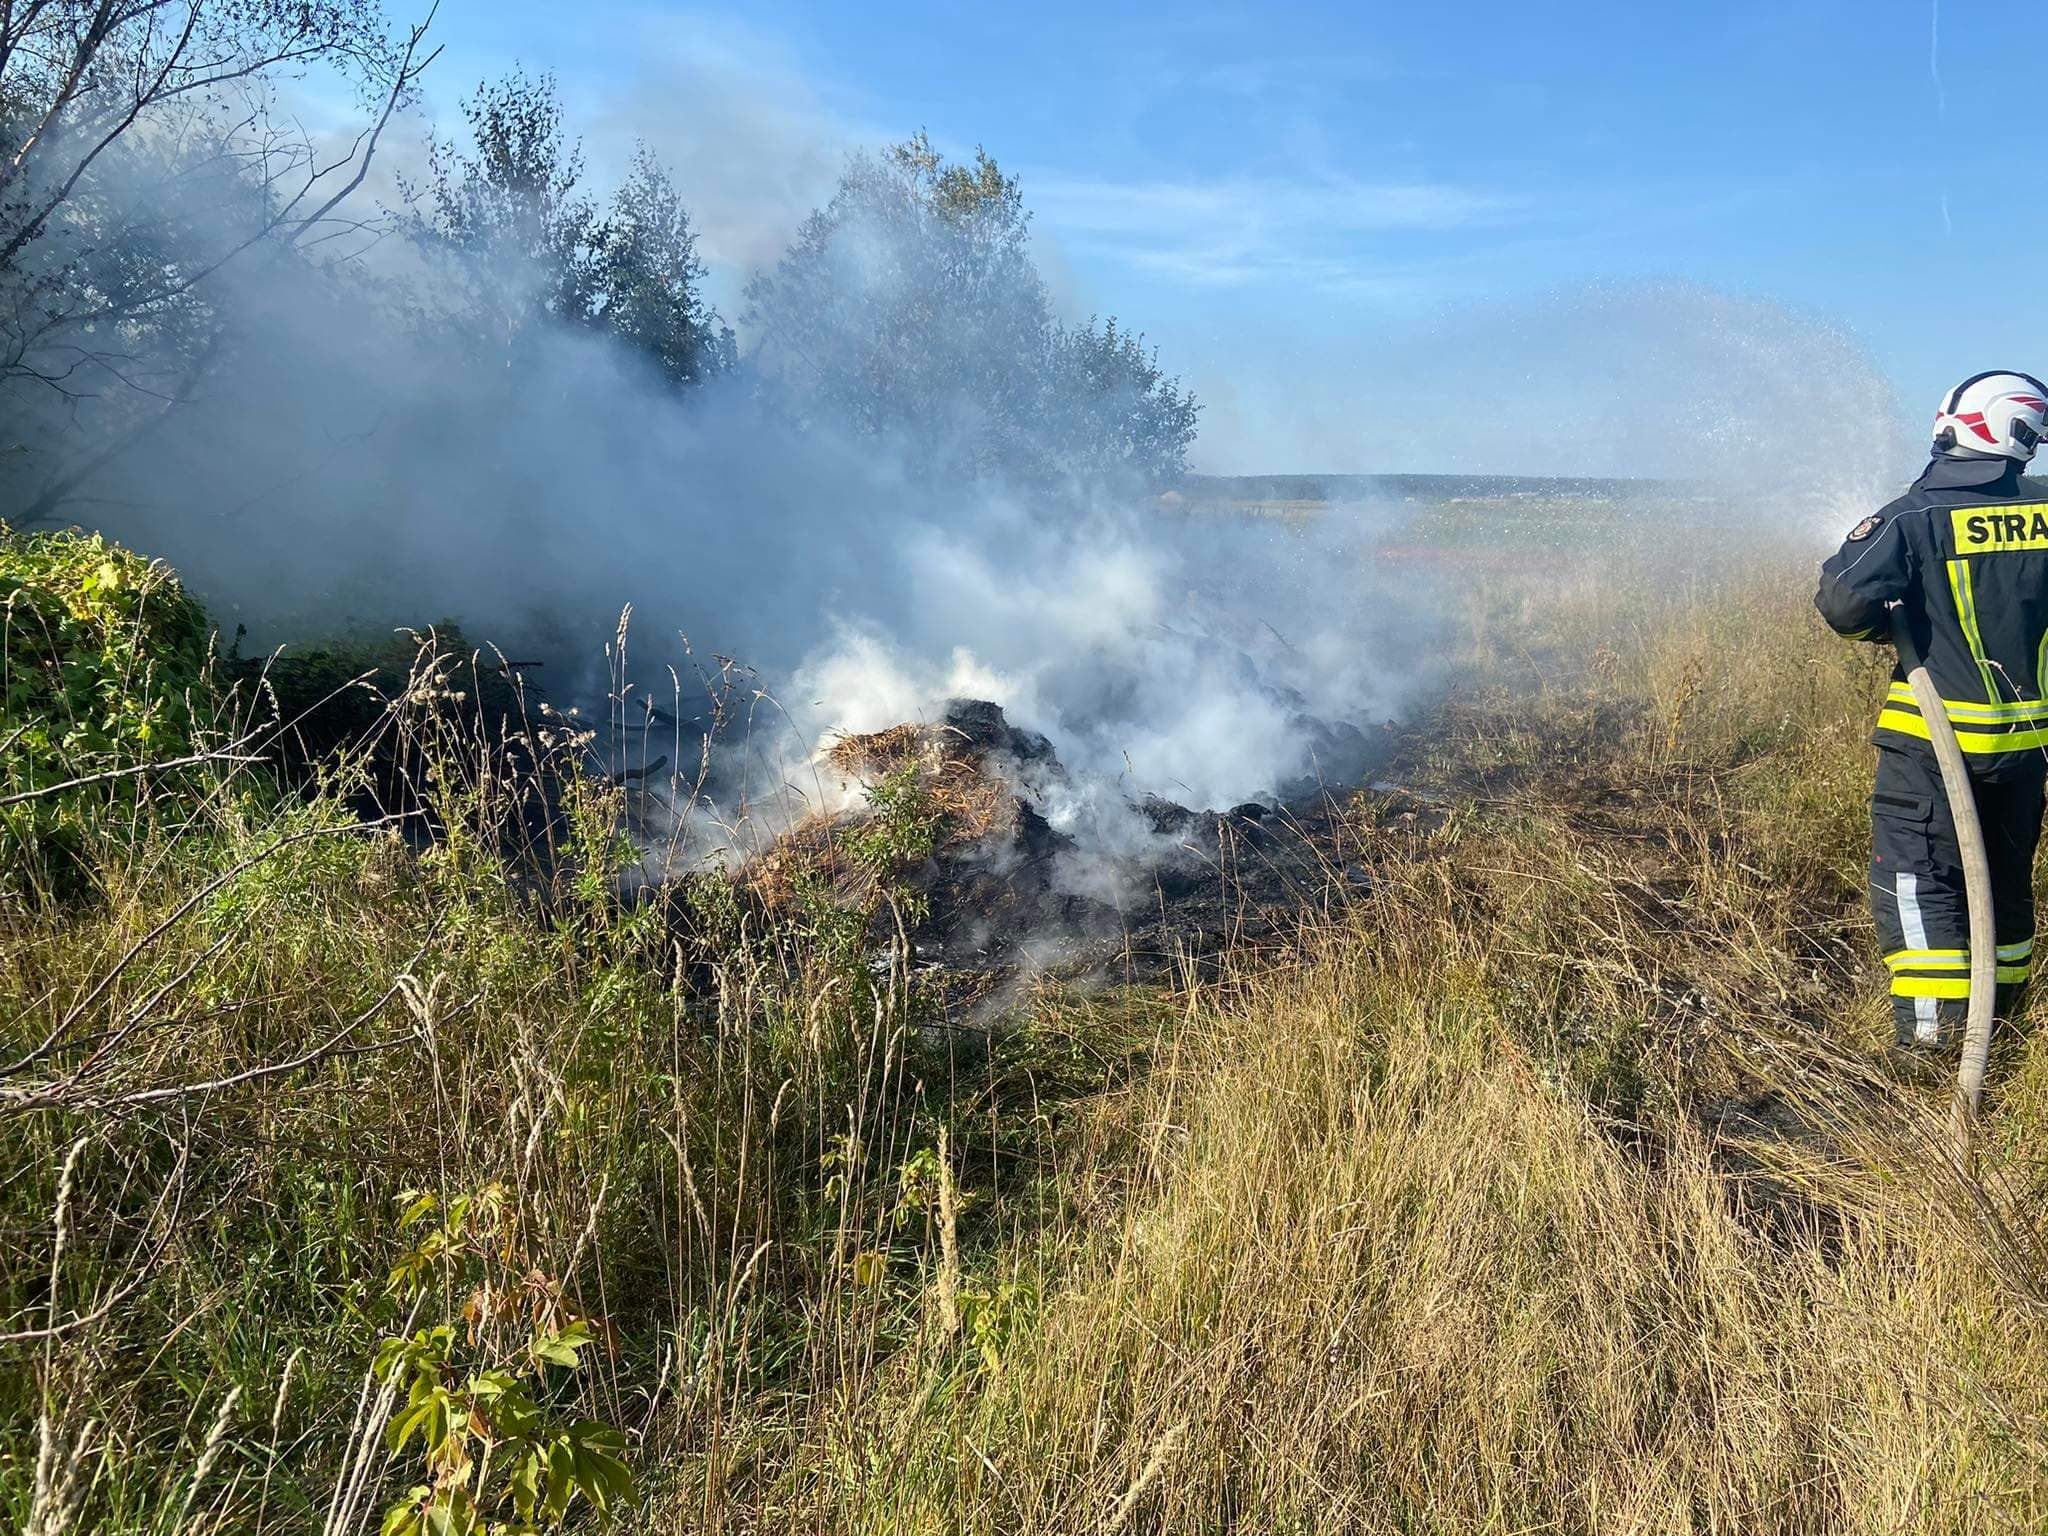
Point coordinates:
[(1866, 528)]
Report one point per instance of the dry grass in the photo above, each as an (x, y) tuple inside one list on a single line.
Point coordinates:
[(1389, 1264), (951, 772), (1563, 1190), (1560, 1186)]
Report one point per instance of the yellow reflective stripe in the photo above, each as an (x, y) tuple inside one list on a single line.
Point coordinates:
[(1905, 724), (1969, 740), (1928, 986), (1966, 612), (1904, 981), (1954, 986), (2015, 965), (1929, 959), (1969, 710)]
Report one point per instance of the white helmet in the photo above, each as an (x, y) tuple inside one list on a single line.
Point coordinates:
[(2003, 414)]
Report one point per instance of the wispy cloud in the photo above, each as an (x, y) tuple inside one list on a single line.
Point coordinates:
[(1330, 232)]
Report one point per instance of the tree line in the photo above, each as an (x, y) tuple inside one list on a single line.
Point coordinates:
[(144, 157)]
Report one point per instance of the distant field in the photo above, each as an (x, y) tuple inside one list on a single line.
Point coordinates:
[(1261, 489), (1465, 519)]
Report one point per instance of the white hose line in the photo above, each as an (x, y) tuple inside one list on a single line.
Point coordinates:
[(1962, 804)]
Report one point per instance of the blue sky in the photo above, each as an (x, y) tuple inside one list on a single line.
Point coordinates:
[(1475, 236)]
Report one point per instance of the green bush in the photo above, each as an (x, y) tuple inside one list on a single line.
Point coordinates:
[(103, 667)]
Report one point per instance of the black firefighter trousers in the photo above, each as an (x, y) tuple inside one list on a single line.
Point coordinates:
[(1916, 885)]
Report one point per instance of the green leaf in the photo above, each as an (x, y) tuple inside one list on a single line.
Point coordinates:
[(561, 1486), (870, 1267), (403, 1518), (526, 1477), (515, 1416), (421, 1203), (390, 1353), (561, 1348), (598, 1433), (404, 1426), (608, 1480), (600, 1476)]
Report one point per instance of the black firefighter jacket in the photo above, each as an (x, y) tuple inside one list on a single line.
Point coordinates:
[(1965, 554)]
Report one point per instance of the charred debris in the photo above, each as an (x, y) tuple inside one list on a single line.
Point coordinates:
[(964, 837), (1001, 875)]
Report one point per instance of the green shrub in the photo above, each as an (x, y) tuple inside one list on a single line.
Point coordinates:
[(103, 666)]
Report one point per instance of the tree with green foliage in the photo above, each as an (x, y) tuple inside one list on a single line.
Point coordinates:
[(527, 244), (85, 84), (650, 279), (1119, 415), (909, 306)]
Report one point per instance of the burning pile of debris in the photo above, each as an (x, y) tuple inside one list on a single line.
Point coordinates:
[(1000, 862), (920, 797)]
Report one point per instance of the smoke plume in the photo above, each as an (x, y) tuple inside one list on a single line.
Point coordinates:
[(349, 473), (340, 468)]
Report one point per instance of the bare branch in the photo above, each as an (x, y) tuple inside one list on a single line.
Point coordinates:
[(177, 915), (401, 83), (112, 774), (335, 1047)]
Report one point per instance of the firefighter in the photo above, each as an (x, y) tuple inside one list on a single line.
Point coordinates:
[(1961, 558)]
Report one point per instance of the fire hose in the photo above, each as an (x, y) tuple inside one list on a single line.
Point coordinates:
[(1962, 804)]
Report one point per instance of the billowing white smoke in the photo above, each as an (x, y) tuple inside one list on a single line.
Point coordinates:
[(347, 476), (1148, 647)]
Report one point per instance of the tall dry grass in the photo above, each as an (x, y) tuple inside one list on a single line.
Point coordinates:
[(1559, 1183), (1565, 1186)]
